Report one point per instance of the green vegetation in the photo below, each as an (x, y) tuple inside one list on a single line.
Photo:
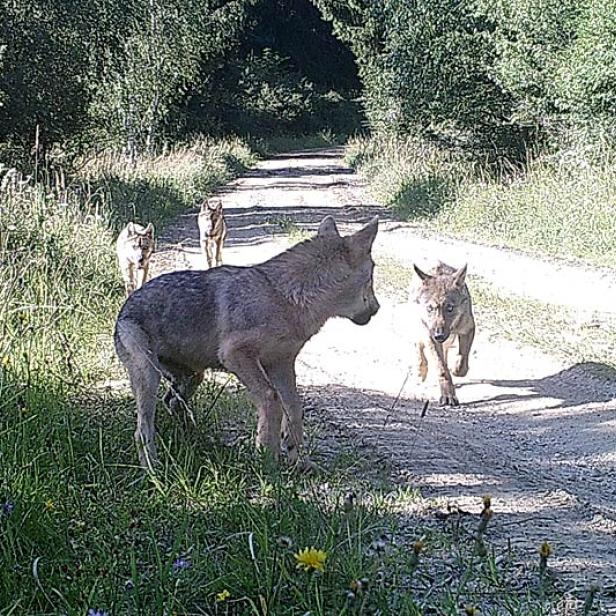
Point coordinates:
[(561, 205), (553, 329), (145, 73), (486, 119), (216, 532)]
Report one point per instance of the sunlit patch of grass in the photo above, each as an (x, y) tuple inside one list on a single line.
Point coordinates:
[(555, 329), (218, 528), (562, 205), (290, 228)]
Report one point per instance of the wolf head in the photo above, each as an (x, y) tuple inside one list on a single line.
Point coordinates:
[(210, 214), (140, 243), (357, 301), (441, 299)]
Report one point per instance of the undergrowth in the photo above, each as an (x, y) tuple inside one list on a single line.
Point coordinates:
[(561, 205)]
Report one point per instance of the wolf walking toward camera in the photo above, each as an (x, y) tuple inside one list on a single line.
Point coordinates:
[(252, 321), (212, 230), (134, 247), (443, 313)]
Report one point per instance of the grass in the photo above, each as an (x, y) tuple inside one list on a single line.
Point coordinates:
[(290, 228), (554, 329), (562, 205), (87, 531), (213, 521), (216, 530)]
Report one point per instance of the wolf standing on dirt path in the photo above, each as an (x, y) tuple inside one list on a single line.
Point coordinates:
[(212, 230), (134, 248), (444, 309), (252, 321)]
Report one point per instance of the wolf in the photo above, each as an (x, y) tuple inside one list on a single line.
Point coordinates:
[(134, 247), (442, 305), (251, 321), (212, 230)]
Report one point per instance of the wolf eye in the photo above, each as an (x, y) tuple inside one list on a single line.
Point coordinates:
[(449, 308), (430, 308)]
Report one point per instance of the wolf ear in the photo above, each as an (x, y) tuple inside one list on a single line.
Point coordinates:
[(149, 230), (328, 228), (130, 227), (204, 205), (218, 206), (361, 242), (421, 273), (460, 276)]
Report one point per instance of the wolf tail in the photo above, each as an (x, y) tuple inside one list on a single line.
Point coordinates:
[(132, 344)]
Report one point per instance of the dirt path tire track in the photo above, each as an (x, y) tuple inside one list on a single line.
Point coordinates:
[(535, 433)]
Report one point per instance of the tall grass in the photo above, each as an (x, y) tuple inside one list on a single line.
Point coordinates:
[(561, 205), (59, 282)]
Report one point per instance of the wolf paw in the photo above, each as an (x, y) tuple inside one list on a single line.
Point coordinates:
[(448, 396), (461, 368), (449, 401)]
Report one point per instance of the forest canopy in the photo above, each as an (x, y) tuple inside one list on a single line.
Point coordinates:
[(138, 73)]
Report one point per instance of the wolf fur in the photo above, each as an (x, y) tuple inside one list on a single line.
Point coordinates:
[(134, 247), (251, 321), (443, 311), (212, 230)]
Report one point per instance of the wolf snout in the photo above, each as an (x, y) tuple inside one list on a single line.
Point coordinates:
[(364, 317), (440, 336)]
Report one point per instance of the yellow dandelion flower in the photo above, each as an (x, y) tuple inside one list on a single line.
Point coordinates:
[(545, 550), (49, 505), (223, 596), (311, 558), (6, 360)]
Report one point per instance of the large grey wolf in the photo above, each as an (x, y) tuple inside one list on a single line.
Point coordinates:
[(134, 247), (251, 321), (212, 230), (442, 305)]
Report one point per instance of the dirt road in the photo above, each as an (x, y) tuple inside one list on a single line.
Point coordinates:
[(536, 434)]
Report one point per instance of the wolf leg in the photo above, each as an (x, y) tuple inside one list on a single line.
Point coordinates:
[(464, 349), (219, 243), (207, 250), (422, 362), (128, 273), (144, 375), (245, 364), (283, 379), (143, 278), (448, 392)]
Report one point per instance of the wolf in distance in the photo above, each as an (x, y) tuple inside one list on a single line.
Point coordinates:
[(212, 230), (443, 313), (134, 248), (251, 321)]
